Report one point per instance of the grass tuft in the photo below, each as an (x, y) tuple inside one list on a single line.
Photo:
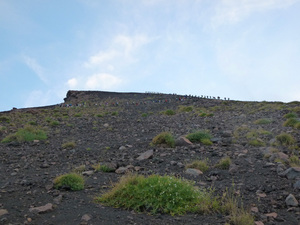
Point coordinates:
[(285, 139), (164, 138), (169, 112), (26, 134), (263, 121), (159, 194), (68, 145), (291, 122), (199, 164), (72, 181), (200, 136), (224, 163)]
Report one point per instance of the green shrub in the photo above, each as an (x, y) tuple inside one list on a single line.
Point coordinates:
[(169, 112), (33, 123), (294, 161), (199, 136), (72, 181), (164, 138), (103, 168), (199, 164), (263, 121), (78, 115), (185, 108), (256, 142), (290, 115), (4, 119), (114, 113), (26, 134), (54, 123), (297, 125), (68, 145), (291, 122), (285, 139), (144, 115), (206, 142), (159, 194), (99, 115), (224, 163)]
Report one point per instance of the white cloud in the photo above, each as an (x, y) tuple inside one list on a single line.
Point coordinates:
[(103, 81), (36, 68), (72, 83), (123, 49), (232, 11)]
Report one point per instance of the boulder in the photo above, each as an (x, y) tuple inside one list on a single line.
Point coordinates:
[(291, 173), (42, 209), (183, 141), (291, 200), (194, 172), (146, 155)]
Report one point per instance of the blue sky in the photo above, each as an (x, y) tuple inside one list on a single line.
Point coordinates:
[(241, 49)]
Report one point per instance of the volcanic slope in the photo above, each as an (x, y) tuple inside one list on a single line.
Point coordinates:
[(114, 129)]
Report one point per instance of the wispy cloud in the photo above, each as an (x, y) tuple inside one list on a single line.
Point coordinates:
[(122, 49), (232, 11), (36, 68)]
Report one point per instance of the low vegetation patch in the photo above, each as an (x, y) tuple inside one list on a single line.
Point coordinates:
[(291, 122), (185, 108), (68, 145), (257, 142), (199, 164), (26, 134), (164, 138), (285, 139), (224, 163), (290, 115), (103, 168), (169, 112), (294, 161), (72, 181), (4, 119), (159, 194), (263, 121), (203, 136)]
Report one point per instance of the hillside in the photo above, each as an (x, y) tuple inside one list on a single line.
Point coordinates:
[(115, 129)]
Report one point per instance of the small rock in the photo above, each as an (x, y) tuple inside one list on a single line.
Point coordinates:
[(42, 209), (29, 219), (194, 172), (291, 173), (173, 163), (180, 165), (86, 217), (88, 173), (183, 141), (226, 133), (146, 155), (297, 184), (254, 209), (58, 199), (291, 200), (3, 212), (122, 148), (106, 125), (44, 165), (121, 170), (233, 168), (258, 223), (273, 214)]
